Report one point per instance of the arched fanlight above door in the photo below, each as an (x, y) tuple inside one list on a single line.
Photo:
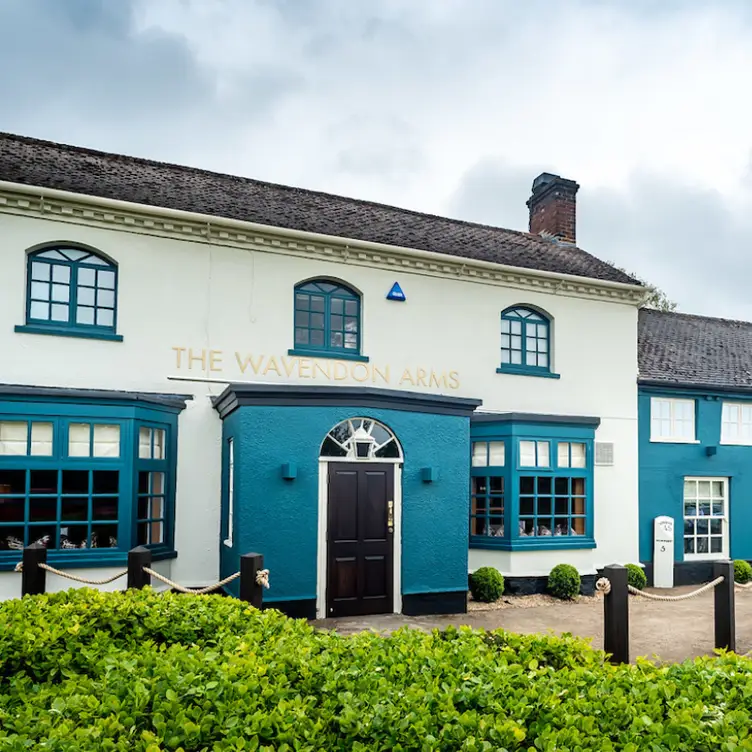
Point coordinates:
[(361, 439)]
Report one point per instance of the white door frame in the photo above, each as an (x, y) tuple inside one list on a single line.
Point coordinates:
[(321, 573)]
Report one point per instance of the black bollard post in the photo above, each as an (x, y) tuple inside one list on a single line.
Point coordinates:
[(725, 616), (33, 577), (138, 558), (616, 615), (250, 590)]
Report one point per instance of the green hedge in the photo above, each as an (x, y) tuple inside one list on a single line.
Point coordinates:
[(140, 672)]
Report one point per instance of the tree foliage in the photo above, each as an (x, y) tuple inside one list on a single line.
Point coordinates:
[(655, 298)]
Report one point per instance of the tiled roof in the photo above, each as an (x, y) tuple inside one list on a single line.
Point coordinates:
[(51, 165), (677, 348)]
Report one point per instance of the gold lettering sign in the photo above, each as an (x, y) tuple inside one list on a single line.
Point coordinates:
[(247, 364)]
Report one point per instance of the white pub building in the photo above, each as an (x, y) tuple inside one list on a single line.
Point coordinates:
[(379, 401)]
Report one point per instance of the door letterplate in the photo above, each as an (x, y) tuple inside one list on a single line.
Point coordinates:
[(390, 516)]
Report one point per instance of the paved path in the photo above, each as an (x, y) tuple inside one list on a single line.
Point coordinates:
[(666, 631)]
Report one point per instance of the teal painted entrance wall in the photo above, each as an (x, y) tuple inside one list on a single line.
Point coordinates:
[(279, 518), (663, 467)]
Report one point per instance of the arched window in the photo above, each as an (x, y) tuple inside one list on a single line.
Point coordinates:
[(525, 341), (327, 319), (71, 289), (361, 439)]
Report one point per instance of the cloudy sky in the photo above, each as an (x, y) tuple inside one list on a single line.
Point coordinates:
[(445, 106)]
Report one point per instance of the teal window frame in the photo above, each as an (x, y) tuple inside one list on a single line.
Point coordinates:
[(522, 484), (62, 414), (323, 309), (516, 338), (66, 276)]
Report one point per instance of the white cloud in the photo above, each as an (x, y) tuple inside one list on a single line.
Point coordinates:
[(440, 105)]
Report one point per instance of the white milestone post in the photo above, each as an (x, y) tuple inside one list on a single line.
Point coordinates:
[(663, 552)]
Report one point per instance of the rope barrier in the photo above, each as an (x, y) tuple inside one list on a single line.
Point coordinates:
[(75, 578), (262, 578), (603, 585), (189, 591), (686, 596)]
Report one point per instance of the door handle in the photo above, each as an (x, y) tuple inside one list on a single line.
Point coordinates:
[(390, 516)]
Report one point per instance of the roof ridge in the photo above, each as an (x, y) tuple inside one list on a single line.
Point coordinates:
[(282, 186)]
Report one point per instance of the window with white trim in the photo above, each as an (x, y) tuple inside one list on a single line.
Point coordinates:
[(672, 420), (705, 518), (736, 423)]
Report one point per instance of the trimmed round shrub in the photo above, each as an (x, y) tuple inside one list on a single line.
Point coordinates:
[(636, 577), (742, 571), (486, 584), (564, 582)]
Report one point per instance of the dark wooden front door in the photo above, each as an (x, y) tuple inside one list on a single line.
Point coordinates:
[(360, 539)]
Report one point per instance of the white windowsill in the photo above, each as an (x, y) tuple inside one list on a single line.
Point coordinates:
[(735, 443), (706, 557), (673, 441)]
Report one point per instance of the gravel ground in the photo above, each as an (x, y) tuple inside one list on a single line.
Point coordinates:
[(663, 631)]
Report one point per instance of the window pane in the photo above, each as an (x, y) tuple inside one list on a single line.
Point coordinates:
[(86, 296), (159, 444), (156, 532), (106, 441), (42, 509), (60, 273), (13, 437), (543, 459), (40, 271), (527, 454), (157, 483), (562, 454), (496, 453), (106, 298), (41, 439), (40, 291), (144, 443), (79, 440), (60, 293), (105, 317), (87, 277), (104, 536), (84, 315), (480, 454), (59, 312), (106, 279), (75, 508), (578, 455), (39, 311)]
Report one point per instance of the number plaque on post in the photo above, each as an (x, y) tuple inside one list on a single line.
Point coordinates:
[(663, 552)]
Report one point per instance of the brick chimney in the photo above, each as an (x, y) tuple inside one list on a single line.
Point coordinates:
[(553, 207)]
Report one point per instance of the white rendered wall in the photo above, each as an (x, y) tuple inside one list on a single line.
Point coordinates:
[(239, 303)]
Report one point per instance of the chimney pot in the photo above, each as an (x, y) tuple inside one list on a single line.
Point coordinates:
[(553, 207)]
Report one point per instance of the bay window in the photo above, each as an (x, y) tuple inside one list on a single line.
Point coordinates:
[(80, 480), (531, 491)]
